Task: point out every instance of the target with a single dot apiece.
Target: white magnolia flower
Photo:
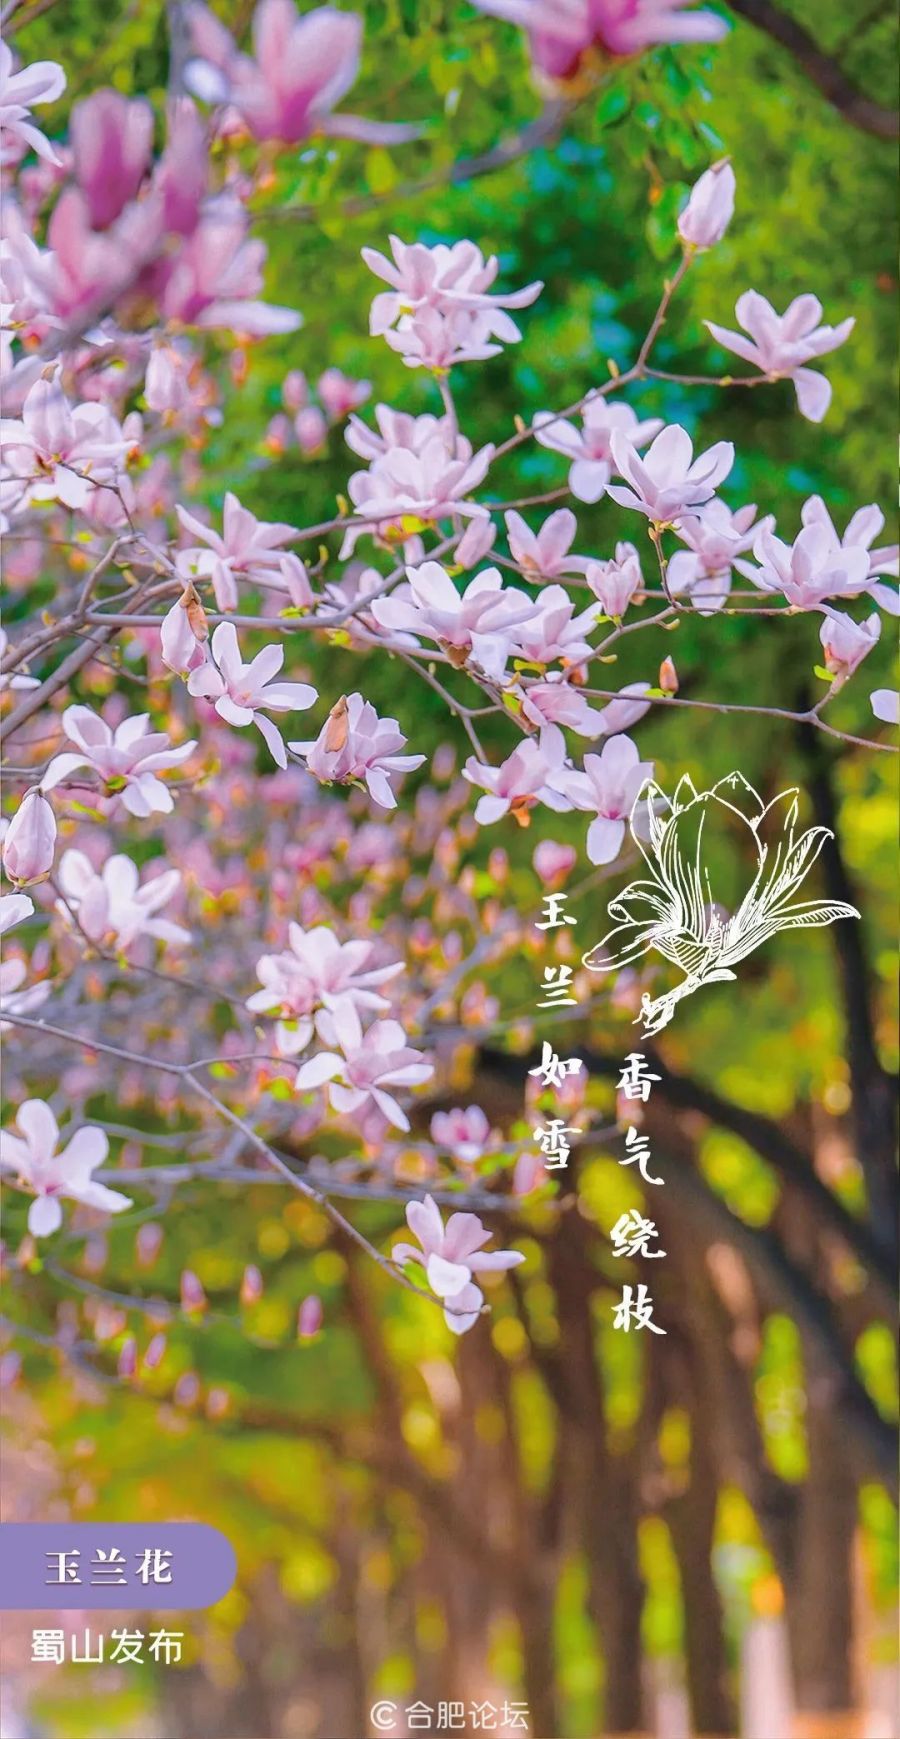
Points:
(48, 1171)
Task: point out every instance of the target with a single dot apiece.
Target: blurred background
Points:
(689, 1535)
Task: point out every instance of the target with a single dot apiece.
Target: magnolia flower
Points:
(316, 971)
(450, 1255)
(846, 643)
(555, 701)
(590, 448)
(553, 862)
(614, 583)
(476, 542)
(544, 554)
(563, 32)
(247, 549)
(407, 490)
(355, 745)
(48, 1173)
(817, 565)
(113, 907)
(13, 970)
(445, 278)
(628, 707)
(436, 341)
(400, 429)
(215, 275)
(533, 773)
(127, 759)
(668, 481)
(715, 538)
(460, 622)
(710, 207)
(861, 532)
(609, 784)
(780, 344)
(302, 67)
(465, 1134)
(340, 395)
(62, 452)
(29, 844)
(886, 705)
(112, 143)
(41, 82)
(554, 630)
(183, 633)
(366, 1065)
(242, 693)
(676, 911)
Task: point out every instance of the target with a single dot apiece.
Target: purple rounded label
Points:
(113, 1566)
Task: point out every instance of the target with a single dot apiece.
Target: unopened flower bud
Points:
(30, 842)
(193, 1296)
(127, 1366)
(294, 391)
(251, 1285)
(182, 633)
(845, 642)
(156, 1350)
(668, 676)
(309, 1317)
(615, 582)
(709, 210)
(311, 429)
(553, 862)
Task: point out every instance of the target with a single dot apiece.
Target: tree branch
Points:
(822, 71)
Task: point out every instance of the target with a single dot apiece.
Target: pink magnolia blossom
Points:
(886, 705)
(862, 529)
(41, 82)
(316, 971)
(246, 549)
(466, 1134)
(555, 701)
(14, 970)
(405, 490)
(819, 564)
(243, 693)
(476, 542)
(445, 279)
(609, 784)
(183, 649)
(217, 275)
(29, 845)
(112, 142)
(62, 452)
(400, 429)
(367, 1065)
(554, 630)
(590, 448)
(127, 759)
(40, 1166)
(113, 907)
(450, 1255)
(436, 341)
(356, 746)
(668, 481)
(553, 862)
(628, 707)
(846, 643)
(301, 67)
(544, 554)
(311, 429)
(340, 395)
(710, 207)
(535, 772)
(715, 538)
(562, 32)
(780, 344)
(463, 623)
(614, 583)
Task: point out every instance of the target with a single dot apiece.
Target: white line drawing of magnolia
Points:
(676, 911)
